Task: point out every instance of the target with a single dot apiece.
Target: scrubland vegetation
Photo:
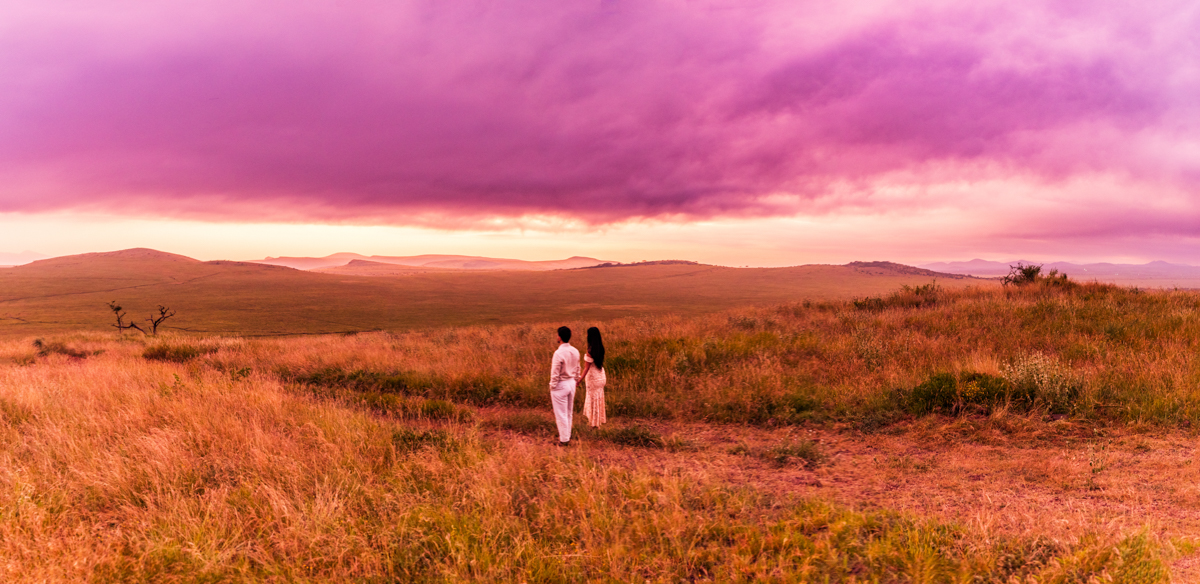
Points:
(426, 455)
(1092, 352)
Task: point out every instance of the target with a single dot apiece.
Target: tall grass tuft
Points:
(177, 353)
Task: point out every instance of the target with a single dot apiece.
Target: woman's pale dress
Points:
(593, 404)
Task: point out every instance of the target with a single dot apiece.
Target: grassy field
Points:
(1030, 434)
(72, 293)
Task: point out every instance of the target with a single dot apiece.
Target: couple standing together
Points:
(565, 374)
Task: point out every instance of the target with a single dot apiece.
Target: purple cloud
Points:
(389, 112)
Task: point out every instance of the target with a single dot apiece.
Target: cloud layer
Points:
(437, 112)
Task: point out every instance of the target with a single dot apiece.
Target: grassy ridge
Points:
(119, 466)
(1093, 352)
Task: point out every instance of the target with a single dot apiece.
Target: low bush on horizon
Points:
(1031, 274)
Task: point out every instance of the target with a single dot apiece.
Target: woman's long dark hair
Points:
(596, 347)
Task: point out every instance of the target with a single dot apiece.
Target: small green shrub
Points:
(524, 422)
(807, 452)
(476, 391)
(1029, 383)
(871, 303)
(1041, 380)
(176, 353)
(46, 348)
(362, 380)
(399, 406)
(636, 405)
(946, 393)
(638, 436)
(390, 404)
(922, 296)
(1029, 274)
(1022, 274)
(407, 439)
(874, 418)
(436, 409)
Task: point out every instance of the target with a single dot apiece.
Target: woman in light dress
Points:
(593, 375)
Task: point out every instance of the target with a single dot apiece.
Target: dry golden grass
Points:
(424, 456)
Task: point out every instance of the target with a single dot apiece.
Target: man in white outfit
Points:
(564, 370)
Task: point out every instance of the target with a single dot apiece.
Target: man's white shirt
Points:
(565, 365)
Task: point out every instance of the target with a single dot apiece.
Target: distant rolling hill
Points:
(71, 293)
(454, 262)
(377, 269)
(1151, 275)
(16, 259)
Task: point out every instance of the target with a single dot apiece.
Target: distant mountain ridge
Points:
(17, 259)
(452, 262)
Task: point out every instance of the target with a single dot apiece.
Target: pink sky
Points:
(764, 132)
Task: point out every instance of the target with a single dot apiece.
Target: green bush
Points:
(636, 405)
(808, 452)
(476, 391)
(1030, 274)
(407, 439)
(46, 348)
(1029, 383)
(946, 393)
(907, 297)
(436, 409)
(412, 408)
(1039, 380)
(176, 353)
(638, 436)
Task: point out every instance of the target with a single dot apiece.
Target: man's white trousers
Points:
(562, 397)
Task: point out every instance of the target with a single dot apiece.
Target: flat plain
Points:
(72, 293)
(868, 427)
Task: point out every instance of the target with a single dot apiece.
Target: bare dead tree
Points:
(121, 324)
(163, 314)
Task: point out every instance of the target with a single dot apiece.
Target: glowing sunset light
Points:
(741, 133)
